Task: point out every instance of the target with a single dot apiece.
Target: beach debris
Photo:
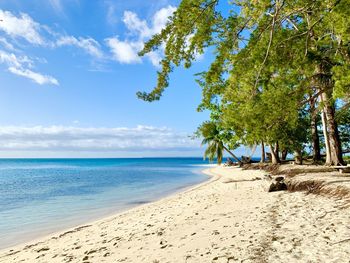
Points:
(74, 230)
(229, 162)
(215, 232)
(42, 249)
(277, 184)
(160, 231)
(246, 159)
(267, 176)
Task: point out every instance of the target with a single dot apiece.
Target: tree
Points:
(212, 137)
(272, 59)
(315, 139)
(343, 120)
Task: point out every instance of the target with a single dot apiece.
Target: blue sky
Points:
(69, 73)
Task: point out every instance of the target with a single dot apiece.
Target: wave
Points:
(39, 167)
(204, 165)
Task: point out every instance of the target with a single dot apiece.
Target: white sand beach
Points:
(231, 218)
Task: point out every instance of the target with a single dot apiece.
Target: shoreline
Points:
(105, 216)
(229, 218)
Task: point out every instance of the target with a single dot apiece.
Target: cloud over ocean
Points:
(66, 138)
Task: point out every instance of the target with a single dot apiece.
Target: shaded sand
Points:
(231, 218)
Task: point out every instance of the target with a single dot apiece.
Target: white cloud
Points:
(12, 60)
(140, 27)
(21, 27)
(34, 76)
(89, 45)
(111, 16)
(155, 58)
(16, 29)
(62, 138)
(7, 45)
(56, 4)
(125, 51)
(135, 25)
(20, 65)
(161, 18)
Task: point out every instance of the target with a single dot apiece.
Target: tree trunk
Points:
(298, 157)
(323, 79)
(284, 155)
(326, 138)
(262, 152)
(231, 153)
(274, 155)
(277, 152)
(314, 133)
(335, 149)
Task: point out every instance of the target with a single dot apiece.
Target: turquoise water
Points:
(41, 196)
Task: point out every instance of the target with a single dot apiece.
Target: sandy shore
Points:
(231, 218)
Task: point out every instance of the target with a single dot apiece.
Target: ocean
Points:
(42, 196)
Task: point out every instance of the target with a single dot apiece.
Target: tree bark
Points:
(336, 157)
(262, 152)
(326, 138)
(277, 152)
(284, 155)
(323, 79)
(274, 154)
(314, 132)
(298, 157)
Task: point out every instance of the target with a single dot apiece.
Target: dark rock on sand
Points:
(278, 184)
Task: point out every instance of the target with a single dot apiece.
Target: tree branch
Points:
(277, 7)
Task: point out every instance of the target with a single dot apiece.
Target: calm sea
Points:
(41, 196)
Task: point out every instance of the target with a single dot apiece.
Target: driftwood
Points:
(342, 169)
(229, 162)
(324, 155)
(245, 159)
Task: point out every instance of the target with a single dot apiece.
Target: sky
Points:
(69, 73)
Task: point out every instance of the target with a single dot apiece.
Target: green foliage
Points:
(211, 137)
(270, 57)
(343, 120)
(186, 35)
(215, 138)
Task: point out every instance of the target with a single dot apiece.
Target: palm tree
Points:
(216, 147)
